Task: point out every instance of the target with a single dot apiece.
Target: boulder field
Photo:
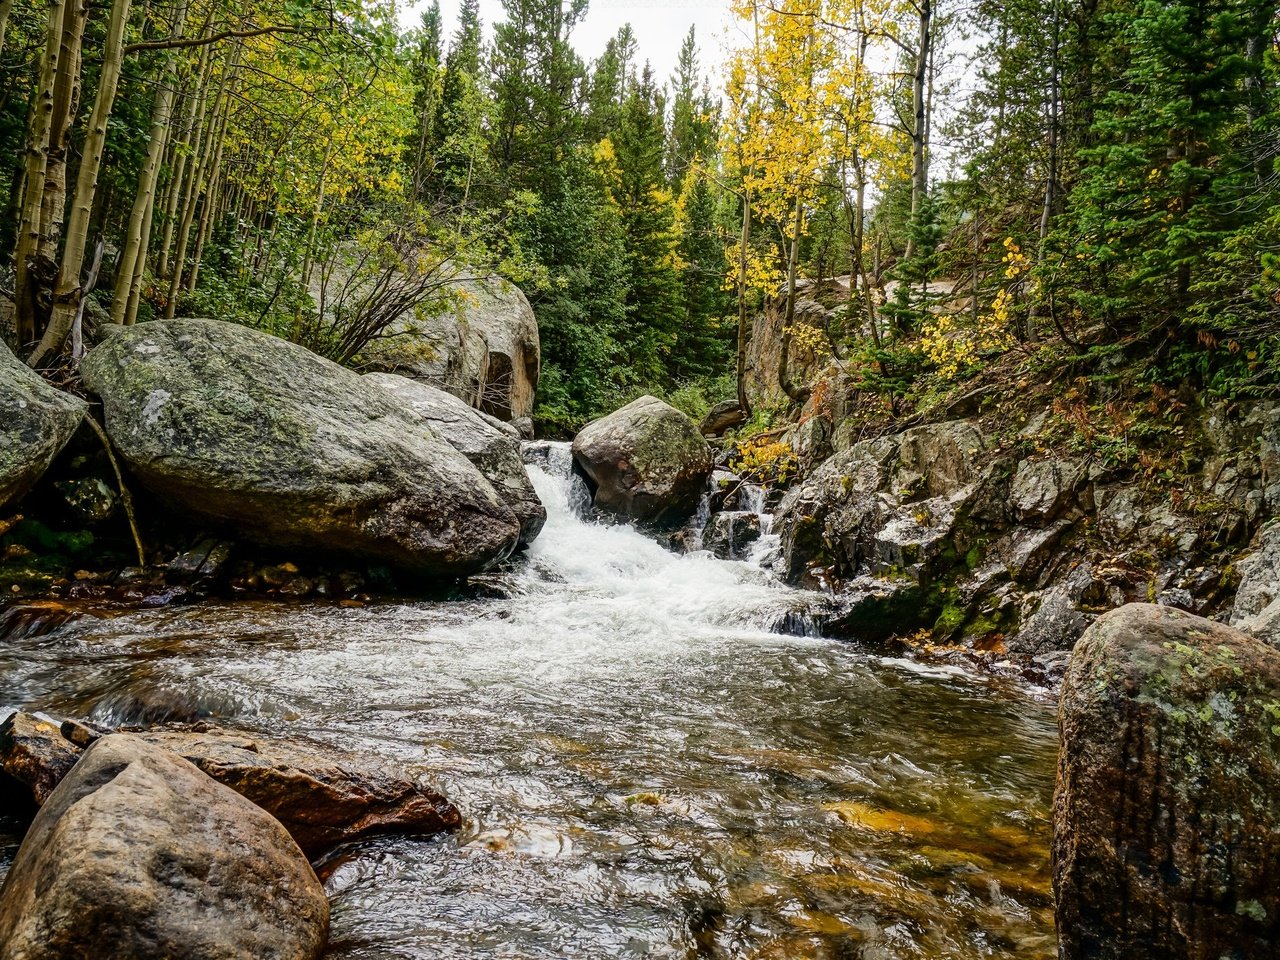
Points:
(1167, 812)
(281, 447)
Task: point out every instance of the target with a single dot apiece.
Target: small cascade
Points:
(555, 458)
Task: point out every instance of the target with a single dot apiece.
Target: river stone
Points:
(1167, 812)
(138, 854)
(483, 440)
(321, 798)
(722, 417)
(647, 461)
(36, 421)
(292, 450)
(34, 755)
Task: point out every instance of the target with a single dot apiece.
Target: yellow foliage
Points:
(764, 461)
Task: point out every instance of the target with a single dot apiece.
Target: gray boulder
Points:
(1167, 812)
(484, 348)
(290, 449)
(493, 446)
(36, 421)
(138, 854)
(1257, 604)
(647, 461)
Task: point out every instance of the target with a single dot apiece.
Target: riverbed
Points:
(645, 767)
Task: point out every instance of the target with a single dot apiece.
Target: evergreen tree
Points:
(694, 115)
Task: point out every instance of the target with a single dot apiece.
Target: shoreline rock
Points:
(1167, 811)
(138, 854)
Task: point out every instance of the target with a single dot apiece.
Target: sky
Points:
(660, 27)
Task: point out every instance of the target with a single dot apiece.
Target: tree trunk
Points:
(133, 258)
(744, 240)
(797, 394)
(66, 100)
(37, 163)
(919, 131)
(67, 293)
(6, 7)
(196, 186)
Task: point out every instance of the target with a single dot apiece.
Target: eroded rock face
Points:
(36, 421)
(320, 796)
(289, 449)
(138, 854)
(1257, 604)
(1167, 812)
(485, 351)
(493, 446)
(647, 461)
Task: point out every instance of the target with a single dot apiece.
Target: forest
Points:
(1108, 197)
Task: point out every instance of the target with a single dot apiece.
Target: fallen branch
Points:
(125, 497)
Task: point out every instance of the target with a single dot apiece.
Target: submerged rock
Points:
(321, 797)
(290, 449)
(138, 854)
(1167, 812)
(647, 461)
(493, 446)
(36, 421)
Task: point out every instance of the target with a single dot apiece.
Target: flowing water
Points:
(645, 768)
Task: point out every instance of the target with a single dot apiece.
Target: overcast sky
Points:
(660, 27)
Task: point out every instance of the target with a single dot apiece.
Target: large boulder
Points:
(1167, 812)
(486, 442)
(322, 797)
(647, 461)
(36, 421)
(138, 854)
(483, 349)
(290, 449)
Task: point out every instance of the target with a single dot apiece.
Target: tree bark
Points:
(133, 258)
(67, 293)
(37, 163)
(797, 394)
(919, 131)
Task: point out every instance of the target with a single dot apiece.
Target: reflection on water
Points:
(645, 770)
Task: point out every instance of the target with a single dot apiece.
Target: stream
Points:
(645, 768)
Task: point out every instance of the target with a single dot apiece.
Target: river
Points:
(645, 768)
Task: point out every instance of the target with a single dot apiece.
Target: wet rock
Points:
(722, 417)
(207, 560)
(647, 460)
(34, 754)
(523, 427)
(1167, 812)
(322, 798)
(243, 428)
(730, 534)
(494, 451)
(939, 459)
(1026, 552)
(138, 854)
(36, 421)
(88, 499)
(1257, 604)
(485, 350)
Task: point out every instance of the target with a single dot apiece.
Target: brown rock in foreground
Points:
(321, 798)
(139, 855)
(34, 754)
(1167, 812)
